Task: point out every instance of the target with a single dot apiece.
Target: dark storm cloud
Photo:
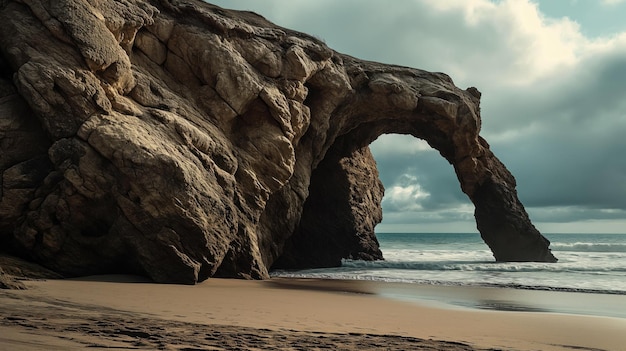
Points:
(572, 151)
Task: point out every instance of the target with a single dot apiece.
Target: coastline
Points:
(129, 312)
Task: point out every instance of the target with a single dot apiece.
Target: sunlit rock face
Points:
(179, 140)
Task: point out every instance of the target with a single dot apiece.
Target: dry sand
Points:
(120, 312)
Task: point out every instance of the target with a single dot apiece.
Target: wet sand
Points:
(121, 312)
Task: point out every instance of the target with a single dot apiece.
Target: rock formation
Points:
(180, 140)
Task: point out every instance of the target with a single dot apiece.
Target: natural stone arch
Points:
(399, 100)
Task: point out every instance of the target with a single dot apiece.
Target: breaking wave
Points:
(473, 266)
(589, 247)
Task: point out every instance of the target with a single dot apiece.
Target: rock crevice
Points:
(181, 141)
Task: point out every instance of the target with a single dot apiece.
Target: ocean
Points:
(588, 263)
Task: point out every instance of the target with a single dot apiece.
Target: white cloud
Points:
(389, 145)
(613, 2)
(405, 196)
(514, 44)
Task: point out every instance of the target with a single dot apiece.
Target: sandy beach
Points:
(123, 312)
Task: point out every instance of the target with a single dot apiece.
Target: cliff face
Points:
(182, 141)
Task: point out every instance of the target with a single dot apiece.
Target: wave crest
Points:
(588, 247)
(475, 266)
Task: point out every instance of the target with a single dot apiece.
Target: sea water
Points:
(589, 263)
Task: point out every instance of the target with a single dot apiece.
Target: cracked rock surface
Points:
(179, 140)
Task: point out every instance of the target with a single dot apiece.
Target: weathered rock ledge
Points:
(181, 141)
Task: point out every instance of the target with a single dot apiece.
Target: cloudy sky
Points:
(553, 78)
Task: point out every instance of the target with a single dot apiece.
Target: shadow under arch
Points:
(345, 193)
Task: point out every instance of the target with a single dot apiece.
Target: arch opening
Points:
(422, 194)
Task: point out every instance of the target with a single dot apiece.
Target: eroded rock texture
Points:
(179, 140)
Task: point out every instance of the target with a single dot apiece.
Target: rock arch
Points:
(427, 106)
(188, 141)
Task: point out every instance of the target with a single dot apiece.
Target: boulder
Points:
(180, 141)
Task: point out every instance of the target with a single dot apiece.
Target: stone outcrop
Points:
(179, 140)
(13, 270)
